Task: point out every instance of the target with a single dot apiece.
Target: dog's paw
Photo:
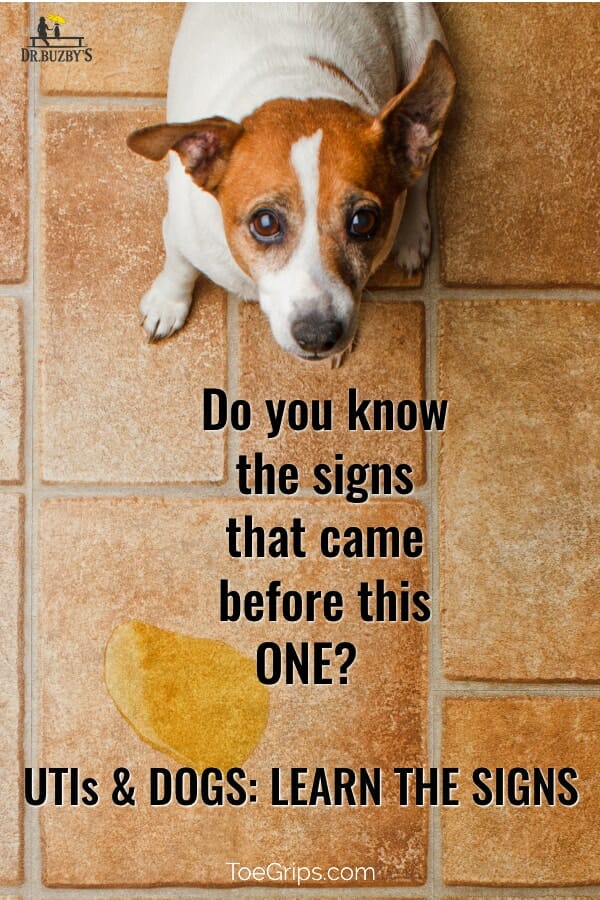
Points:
(413, 243)
(163, 312)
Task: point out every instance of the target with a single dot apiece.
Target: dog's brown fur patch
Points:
(353, 163)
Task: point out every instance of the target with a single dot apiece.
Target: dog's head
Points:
(311, 193)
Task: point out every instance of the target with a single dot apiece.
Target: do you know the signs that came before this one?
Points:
(321, 662)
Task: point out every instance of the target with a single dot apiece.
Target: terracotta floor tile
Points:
(517, 189)
(387, 362)
(14, 180)
(522, 845)
(11, 391)
(104, 562)
(518, 522)
(114, 408)
(131, 46)
(389, 275)
(11, 688)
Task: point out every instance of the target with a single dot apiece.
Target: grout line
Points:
(499, 294)
(34, 860)
(517, 688)
(403, 294)
(435, 662)
(16, 291)
(420, 494)
(98, 101)
(229, 489)
(29, 312)
(506, 292)
(426, 295)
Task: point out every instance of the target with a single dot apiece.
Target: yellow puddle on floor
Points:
(196, 699)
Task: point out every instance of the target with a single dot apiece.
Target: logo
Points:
(50, 44)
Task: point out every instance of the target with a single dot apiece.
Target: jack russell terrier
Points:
(303, 134)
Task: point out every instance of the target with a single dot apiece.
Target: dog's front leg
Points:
(413, 242)
(165, 307)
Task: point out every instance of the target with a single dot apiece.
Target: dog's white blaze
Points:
(305, 160)
(304, 284)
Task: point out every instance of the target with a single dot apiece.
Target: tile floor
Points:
(113, 497)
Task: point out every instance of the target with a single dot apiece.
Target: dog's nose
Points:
(315, 334)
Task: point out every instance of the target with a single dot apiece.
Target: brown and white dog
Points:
(302, 132)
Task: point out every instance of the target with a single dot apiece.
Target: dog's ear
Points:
(412, 122)
(203, 146)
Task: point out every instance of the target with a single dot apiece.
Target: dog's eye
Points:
(265, 226)
(363, 223)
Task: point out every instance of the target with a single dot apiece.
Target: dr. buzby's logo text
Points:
(52, 44)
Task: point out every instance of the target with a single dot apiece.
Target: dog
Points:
(302, 137)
